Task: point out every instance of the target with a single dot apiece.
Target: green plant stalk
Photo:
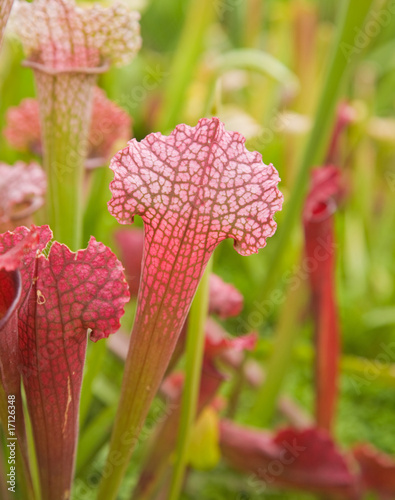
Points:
(64, 210)
(93, 438)
(96, 220)
(193, 369)
(286, 334)
(24, 478)
(198, 17)
(351, 19)
(65, 100)
(93, 364)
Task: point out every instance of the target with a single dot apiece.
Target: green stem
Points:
(199, 15)
(93, 365)
(96, 221)
(94, 437)
(63, 197)
(266, 398)
(65, 100)
(194, 359)
(352, 18)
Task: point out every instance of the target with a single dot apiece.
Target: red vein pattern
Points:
(5, 9)
(224, 299)
(192, 189)
(109, 124)
(63, 297)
